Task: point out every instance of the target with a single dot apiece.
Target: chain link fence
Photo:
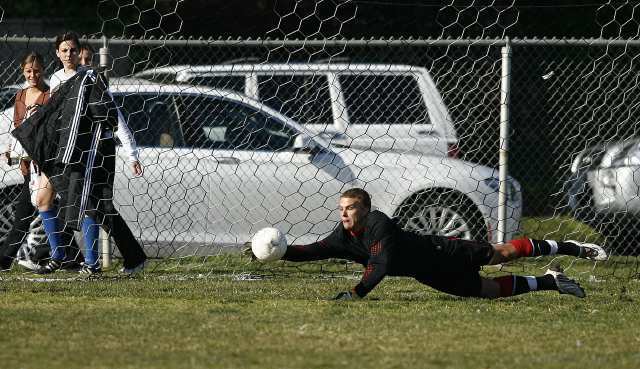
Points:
(572, 110)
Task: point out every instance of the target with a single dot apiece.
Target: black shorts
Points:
(70, 184)
(455, 266)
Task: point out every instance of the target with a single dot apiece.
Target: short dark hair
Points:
(358, 194)
(68, 36)
(30, 58)
(87, 47)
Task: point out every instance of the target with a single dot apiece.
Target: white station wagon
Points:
(364, 106)
(220, 165)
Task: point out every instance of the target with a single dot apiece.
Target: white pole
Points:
(104, 237)
(505, 90)
(104, 53)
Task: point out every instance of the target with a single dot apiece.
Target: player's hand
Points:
(136, 168)
(345, 296)
(7, 157)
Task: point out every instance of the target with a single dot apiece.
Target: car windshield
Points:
(203, 122)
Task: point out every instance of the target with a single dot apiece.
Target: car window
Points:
(152, 119)
(217, 123)
(305, 99)
(389, 99)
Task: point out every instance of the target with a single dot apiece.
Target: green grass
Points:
(193, 313)
(559, 228)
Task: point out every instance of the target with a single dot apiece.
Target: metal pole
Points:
(104, 54)
(505, 90)
(104, 236)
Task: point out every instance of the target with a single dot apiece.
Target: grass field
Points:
(195, 314)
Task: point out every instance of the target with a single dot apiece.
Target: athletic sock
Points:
(531, 247)
(90, 232)
(511, 285)
(569, 248)
(54, 232)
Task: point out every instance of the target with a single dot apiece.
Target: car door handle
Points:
(227, 160)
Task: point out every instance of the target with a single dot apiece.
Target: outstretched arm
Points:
(316, 251)
(327, 248)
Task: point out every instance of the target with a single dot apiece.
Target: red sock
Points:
(506, 285)
(523, 246)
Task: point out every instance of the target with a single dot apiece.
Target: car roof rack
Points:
(248, 59)
(333, 59)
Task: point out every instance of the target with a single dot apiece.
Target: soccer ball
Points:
(269, 244)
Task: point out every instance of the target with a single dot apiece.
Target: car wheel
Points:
(36, 239)
(445, 214)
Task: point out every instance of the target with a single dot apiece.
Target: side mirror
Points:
(304, 144)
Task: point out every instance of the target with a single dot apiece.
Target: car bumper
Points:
(616, 189)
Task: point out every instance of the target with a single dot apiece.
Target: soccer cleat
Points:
(590, 251)
(51, 267)
(565, 285)
(135, 270)
(89, 270)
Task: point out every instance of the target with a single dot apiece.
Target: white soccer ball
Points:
(269, 244)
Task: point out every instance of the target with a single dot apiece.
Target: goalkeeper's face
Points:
(352, 213)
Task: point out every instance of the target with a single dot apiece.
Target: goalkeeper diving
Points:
(452, 266)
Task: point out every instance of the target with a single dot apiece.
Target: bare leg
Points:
(45, 194)
(50, 223)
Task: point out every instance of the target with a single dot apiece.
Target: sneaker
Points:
(88, 270)
(565, 285)
(135, 270)
(71, 266)
(590, 251)
(51, 267)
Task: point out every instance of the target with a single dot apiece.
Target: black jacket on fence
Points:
(63, 138)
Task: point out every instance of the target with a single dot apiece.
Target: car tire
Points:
(447, 214)
(37, 238)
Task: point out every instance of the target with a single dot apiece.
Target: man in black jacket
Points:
(372, 239)
(64, 138)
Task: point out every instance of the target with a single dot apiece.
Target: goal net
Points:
(235, 134)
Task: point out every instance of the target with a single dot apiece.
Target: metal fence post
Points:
(104, 236)
(504, 139)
